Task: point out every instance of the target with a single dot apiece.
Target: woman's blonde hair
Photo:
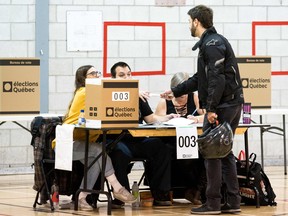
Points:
(178, 78)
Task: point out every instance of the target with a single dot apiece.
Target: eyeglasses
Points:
(94, 73)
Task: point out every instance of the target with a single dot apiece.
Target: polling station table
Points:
(272, 129)
(144, 131)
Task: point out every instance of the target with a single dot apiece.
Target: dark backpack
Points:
(258, 182)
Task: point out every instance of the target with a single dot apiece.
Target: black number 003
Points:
(186, 141)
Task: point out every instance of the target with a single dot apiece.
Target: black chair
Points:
(144, 178)
(43, 132)
(67, 181)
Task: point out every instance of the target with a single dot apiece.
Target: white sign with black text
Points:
(187, 147)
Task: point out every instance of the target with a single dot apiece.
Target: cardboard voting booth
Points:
(111, 103)
(255, 74)
(20, 86)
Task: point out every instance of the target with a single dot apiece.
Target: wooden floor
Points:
(17, 197)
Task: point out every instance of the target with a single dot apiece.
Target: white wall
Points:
(231, 17)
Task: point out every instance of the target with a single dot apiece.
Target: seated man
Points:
(152, 149)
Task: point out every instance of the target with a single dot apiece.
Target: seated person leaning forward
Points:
(187, 174)
(71, 117)
(152, 149)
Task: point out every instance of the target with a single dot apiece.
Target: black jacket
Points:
(217, 79)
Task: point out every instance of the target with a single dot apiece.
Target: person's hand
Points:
(196, 119)
(167, 95)
(211, 117)
(144, 95)
(173, 115)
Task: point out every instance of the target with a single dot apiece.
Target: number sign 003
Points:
(187, 146)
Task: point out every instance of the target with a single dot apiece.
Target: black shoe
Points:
(162, 203)
(227, 208)
(204, 210)
(117, 204)
(161, 198)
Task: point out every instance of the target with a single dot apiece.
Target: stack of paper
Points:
(179, 121)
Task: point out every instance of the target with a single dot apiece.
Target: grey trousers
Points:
(94, 150)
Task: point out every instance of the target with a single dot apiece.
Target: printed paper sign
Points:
(187, 147)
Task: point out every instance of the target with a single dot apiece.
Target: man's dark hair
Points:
(118, 64)
(203, 14)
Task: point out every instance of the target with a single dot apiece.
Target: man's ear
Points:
(196, 21)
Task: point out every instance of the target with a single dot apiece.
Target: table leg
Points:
(246, 154)
(104, 159)
(284, 143)
(20, 125)
(247, 168)
(283, 130)
(86, 168)
(86, 158)
(17, 123)
(261, 143)
(104, 156)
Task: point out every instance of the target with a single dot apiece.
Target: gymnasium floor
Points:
(17, 197)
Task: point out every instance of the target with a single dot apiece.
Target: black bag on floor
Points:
(258, 182)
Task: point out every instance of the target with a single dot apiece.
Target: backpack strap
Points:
(271, 195)
(241, 155)
(252, 158)
(252, 164)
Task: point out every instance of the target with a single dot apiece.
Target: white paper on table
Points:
(187, 147)
(64, 147)
(181, 121)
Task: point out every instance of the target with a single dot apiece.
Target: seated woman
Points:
(186, 106)
(78, 103)
(189, 173)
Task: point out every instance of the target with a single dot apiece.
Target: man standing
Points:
(220, 93)
(152, 149)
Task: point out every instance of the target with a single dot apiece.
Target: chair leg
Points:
(46, 185)
(44, 190)
(144, 176)
(109, 189)
(37, 196)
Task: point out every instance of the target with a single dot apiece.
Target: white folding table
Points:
(272, 129)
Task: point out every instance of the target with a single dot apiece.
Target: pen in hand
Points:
(192, 117)
(194, 112)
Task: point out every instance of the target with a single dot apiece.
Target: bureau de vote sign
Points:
(19, 86)
(255, 74)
